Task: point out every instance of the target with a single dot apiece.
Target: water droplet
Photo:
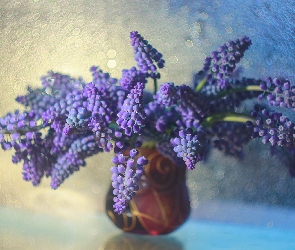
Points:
(194, 204)
(50, 81)
(57, 93)
(268, 61)
(111, 64)
(262, 70)
(78, 85)
(189, 43)
(229, 30)
(270, 224)
(220, 175)
(173, 59)
(48, 90)
(36, 16)
(204, 15)
(93, 231)
(111, 53)
(245, 64)
(96, 189)
(207, 42)
(76, 32)
(216, 4)
(101, 55)
(251, 32)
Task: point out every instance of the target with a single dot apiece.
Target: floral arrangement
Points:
(67, 120)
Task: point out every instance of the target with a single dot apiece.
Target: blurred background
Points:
(70, 36)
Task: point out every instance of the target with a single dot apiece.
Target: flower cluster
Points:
(222, 61)
(145, 55)
(279, 93)
(168, 94)
(273, 128)
(231, 138)
(193, 108)
(55, 87)
(125, 175)
(131, 77)
(190, 146)
(68, 120)
(71, 160)
(131, 116)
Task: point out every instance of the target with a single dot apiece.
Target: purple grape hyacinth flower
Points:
(190, 146)
(125, 175)
(279, 93)
(222, 62)
(70, 161)
(273, 128)
(131, 77)
(145, 55)
(193, 107)
(168, 94)
(131, 118)
(55, 87)
(231, 138)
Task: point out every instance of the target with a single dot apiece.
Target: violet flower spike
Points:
(125, 175)
(131, 118)
(145, 55)
(190, 146)
(168, 94)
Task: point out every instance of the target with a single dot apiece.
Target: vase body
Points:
(162, 203)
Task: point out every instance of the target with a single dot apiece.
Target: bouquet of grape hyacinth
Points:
(67, 120)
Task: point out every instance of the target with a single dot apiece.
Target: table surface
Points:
(21, 229)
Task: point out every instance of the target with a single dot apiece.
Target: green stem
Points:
(240, 89)
(113, 125)
(155, 86)
(201, 84)
(133, 141)
(149, 144)
(226, 117)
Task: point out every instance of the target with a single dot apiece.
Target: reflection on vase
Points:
(162, 203)
(134, 242)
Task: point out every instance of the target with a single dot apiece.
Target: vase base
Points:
(162, 203)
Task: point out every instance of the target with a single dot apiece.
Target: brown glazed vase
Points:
(162, 203)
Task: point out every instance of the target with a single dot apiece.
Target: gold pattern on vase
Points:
(162, 203)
